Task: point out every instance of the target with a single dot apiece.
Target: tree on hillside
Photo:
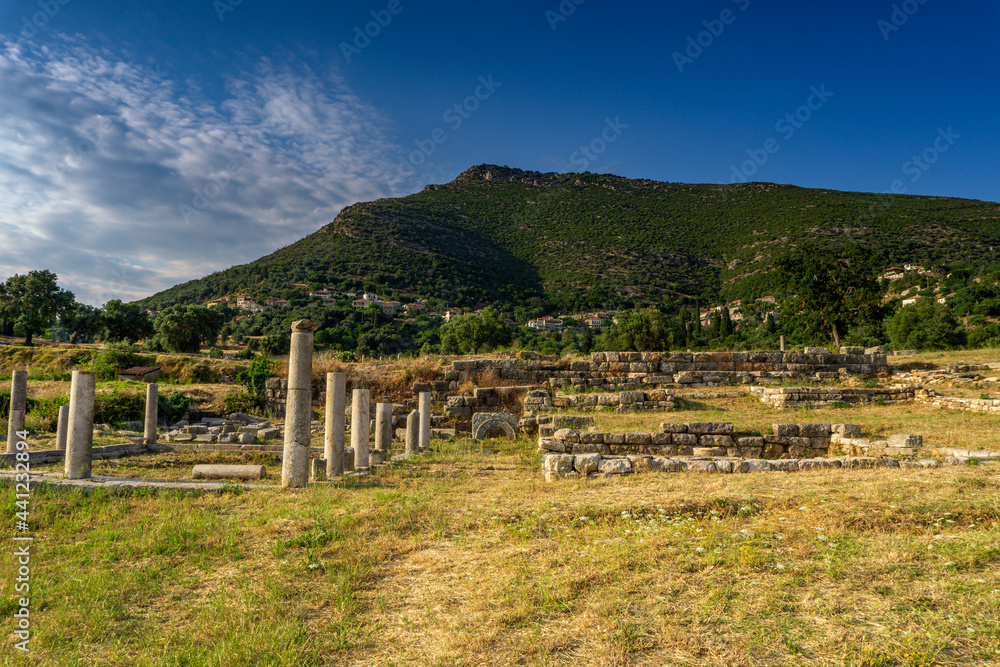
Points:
(124, 322)
(475, 333)
(926, 325)
(30, 304)
(830, 290)
(80, 322)
(187, 328)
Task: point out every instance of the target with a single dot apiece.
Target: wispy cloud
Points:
(124, 181)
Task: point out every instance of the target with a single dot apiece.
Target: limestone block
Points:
(753, 465)
(245, 472)
(638, 438)
(640, 462)
(567, 435)
(815, 430)
(722, 441)
(660, 438)
(710, 451)
(912, 441)
(702, 467)
(787, 430)
(711, 428)
(673, 428)
(620, 466)
(685, 439)
(586, 463)
(557, 466)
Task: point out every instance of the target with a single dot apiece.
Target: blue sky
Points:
(143, 144)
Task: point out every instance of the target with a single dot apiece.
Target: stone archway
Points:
(485, 424)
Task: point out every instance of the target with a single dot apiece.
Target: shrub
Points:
(215, 353)
(241, 401)
(117, 357)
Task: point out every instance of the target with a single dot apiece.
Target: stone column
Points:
(360, 427)
(333, 439)
(152, 412)
(62, 428)
(298, 408)
(413, 433)
(80, 437)
(782, 343)
(383, 429)
(425, 420)
(18, 408)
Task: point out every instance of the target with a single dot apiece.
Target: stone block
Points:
(711, 428)
(750, 441)
(852, 349)
(638, 438)
(773, 450)
(640, 462)
(816, 350)
(240, 472)
(549, 445)
(570, 421)
(815, 430)
(715, 441)
(567, 435)
(785, 429)
(660, 438)
(590, 448)
(706, 467)
(557, 466)
(910, 441)
(615, 466)
(586, 463)
(673, 428)
(709, 451)
(686, 439)
(592, 437)
(614, 439)
(753, 465)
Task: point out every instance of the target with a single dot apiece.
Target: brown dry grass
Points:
(459, 557)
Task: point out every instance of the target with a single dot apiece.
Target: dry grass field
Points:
(461, 557)
(466, 557)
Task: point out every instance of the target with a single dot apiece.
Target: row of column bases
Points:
(298, 418)
(75, 430)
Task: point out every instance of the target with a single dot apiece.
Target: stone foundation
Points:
(570, 466)
(654, 400)
(819, 397)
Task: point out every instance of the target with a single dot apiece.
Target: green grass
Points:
(462, 557)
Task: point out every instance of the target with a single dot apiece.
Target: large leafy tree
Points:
(186, 328)
(124, 322)
(30, 304)
(828, 290)
(475, 333)
(80, 322)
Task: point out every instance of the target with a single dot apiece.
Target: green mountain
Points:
(586, 241)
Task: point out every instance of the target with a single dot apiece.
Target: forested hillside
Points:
(573, 242)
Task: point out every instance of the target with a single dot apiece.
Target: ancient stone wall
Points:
(701, 439)
(819, 397)
(654, 400)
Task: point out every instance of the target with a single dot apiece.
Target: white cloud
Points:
(99, 156)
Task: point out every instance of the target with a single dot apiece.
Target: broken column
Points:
(61, 429)
(782, 343)
(152, 405)
(80, 437)
(298, 407)
(383, 429)
(360, 427)
(333, 440)
(18, 409)
(413, 433)
(425, 420)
